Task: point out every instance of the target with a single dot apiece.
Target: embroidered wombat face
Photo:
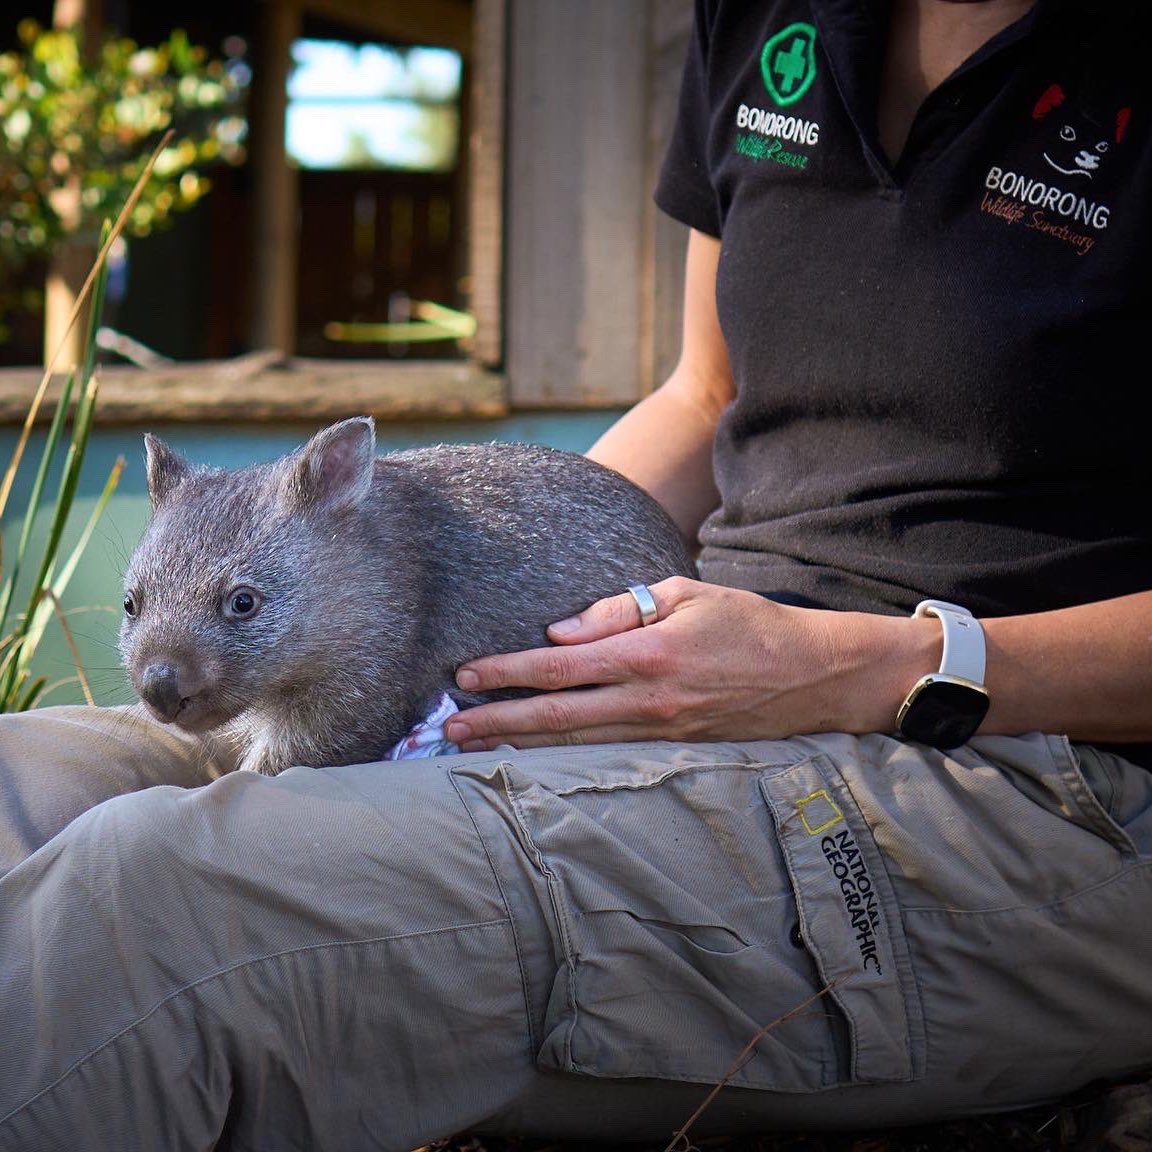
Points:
(1078, 143)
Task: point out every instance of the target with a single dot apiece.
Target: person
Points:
(857, 826)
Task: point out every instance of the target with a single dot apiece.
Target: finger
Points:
(491, 724)
(527, 740)
(538, 721)
(547, 669)
(605, 734)
(607, 617)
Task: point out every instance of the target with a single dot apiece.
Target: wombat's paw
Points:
(273, 749)
(263, 767)
(265, 758)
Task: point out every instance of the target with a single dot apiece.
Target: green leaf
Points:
(30, 697)
(51, 442)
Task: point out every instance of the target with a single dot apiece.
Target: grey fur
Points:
(377, 577)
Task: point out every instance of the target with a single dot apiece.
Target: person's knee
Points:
(127, 852)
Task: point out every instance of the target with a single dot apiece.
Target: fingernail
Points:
(457, 732)
(564, 627)
(467, 679)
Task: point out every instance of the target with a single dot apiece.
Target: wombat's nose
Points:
(160, 690)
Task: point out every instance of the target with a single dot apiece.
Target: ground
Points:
(1118, 1119)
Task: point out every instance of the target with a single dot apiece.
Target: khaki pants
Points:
(574, 943)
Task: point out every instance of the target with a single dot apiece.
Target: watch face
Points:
(942, 712)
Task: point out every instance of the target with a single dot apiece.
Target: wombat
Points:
(316, 607)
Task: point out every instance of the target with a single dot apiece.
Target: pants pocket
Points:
(689, 921)
(849, 917)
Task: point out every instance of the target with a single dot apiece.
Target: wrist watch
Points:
(945, 708)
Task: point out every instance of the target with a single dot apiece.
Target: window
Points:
(368, 106)
(533, 133)
(374, 132)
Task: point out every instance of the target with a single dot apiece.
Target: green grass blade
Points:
(43, 611)
(39, 609)
(50, 605)
(96, 309)
(98, 268)
(18, 645)
(31, 695)
(69, 482)
(61, 581)
(51, 443)
(11, 677)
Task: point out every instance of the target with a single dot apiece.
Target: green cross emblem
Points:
(788, 63)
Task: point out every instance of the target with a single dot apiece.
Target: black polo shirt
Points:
(942, 364)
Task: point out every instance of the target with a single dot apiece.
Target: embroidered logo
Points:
(1067, 201)
(818, 812)
(788, 69)
(788, 63)
(1081, 146)
(858, 894)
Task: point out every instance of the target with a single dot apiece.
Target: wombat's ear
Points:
(335, 467)
(165, 468)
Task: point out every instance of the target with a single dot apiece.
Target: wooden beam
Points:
(576, 193)
(486, 182)
(259, 388)
(88, 15)
(445, 23)
(71, 259)
(276, 193)
(665, 239)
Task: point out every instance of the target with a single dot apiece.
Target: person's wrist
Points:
(883, 657)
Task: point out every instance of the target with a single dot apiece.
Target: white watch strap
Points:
(963, 640)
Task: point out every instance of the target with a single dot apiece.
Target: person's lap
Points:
(57, 762)
(575, 942)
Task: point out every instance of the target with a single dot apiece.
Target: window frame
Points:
(576, 278)
(270, 385)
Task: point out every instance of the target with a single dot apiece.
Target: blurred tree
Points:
(79, 116)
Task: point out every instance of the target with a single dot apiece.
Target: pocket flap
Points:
(849, 917)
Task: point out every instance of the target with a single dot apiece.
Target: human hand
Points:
(719, 663)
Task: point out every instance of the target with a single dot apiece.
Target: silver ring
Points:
(644, 601)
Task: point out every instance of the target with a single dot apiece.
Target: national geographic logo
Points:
(858, 894)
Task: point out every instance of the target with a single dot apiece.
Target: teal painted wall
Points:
(93, 598)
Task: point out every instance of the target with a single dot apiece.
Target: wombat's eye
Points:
(130, 606)
(242, 603)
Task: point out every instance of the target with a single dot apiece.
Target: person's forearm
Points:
(664, 444)
(1085, 672)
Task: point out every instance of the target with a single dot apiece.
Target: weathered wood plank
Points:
(666, 240)
(275, 184)
(577, 126)
(262, 388)
(486, 181)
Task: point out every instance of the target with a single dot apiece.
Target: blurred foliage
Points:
(75, 135)
(65, 445)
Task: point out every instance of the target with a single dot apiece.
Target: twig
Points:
(679, 1141)
(48, 594)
